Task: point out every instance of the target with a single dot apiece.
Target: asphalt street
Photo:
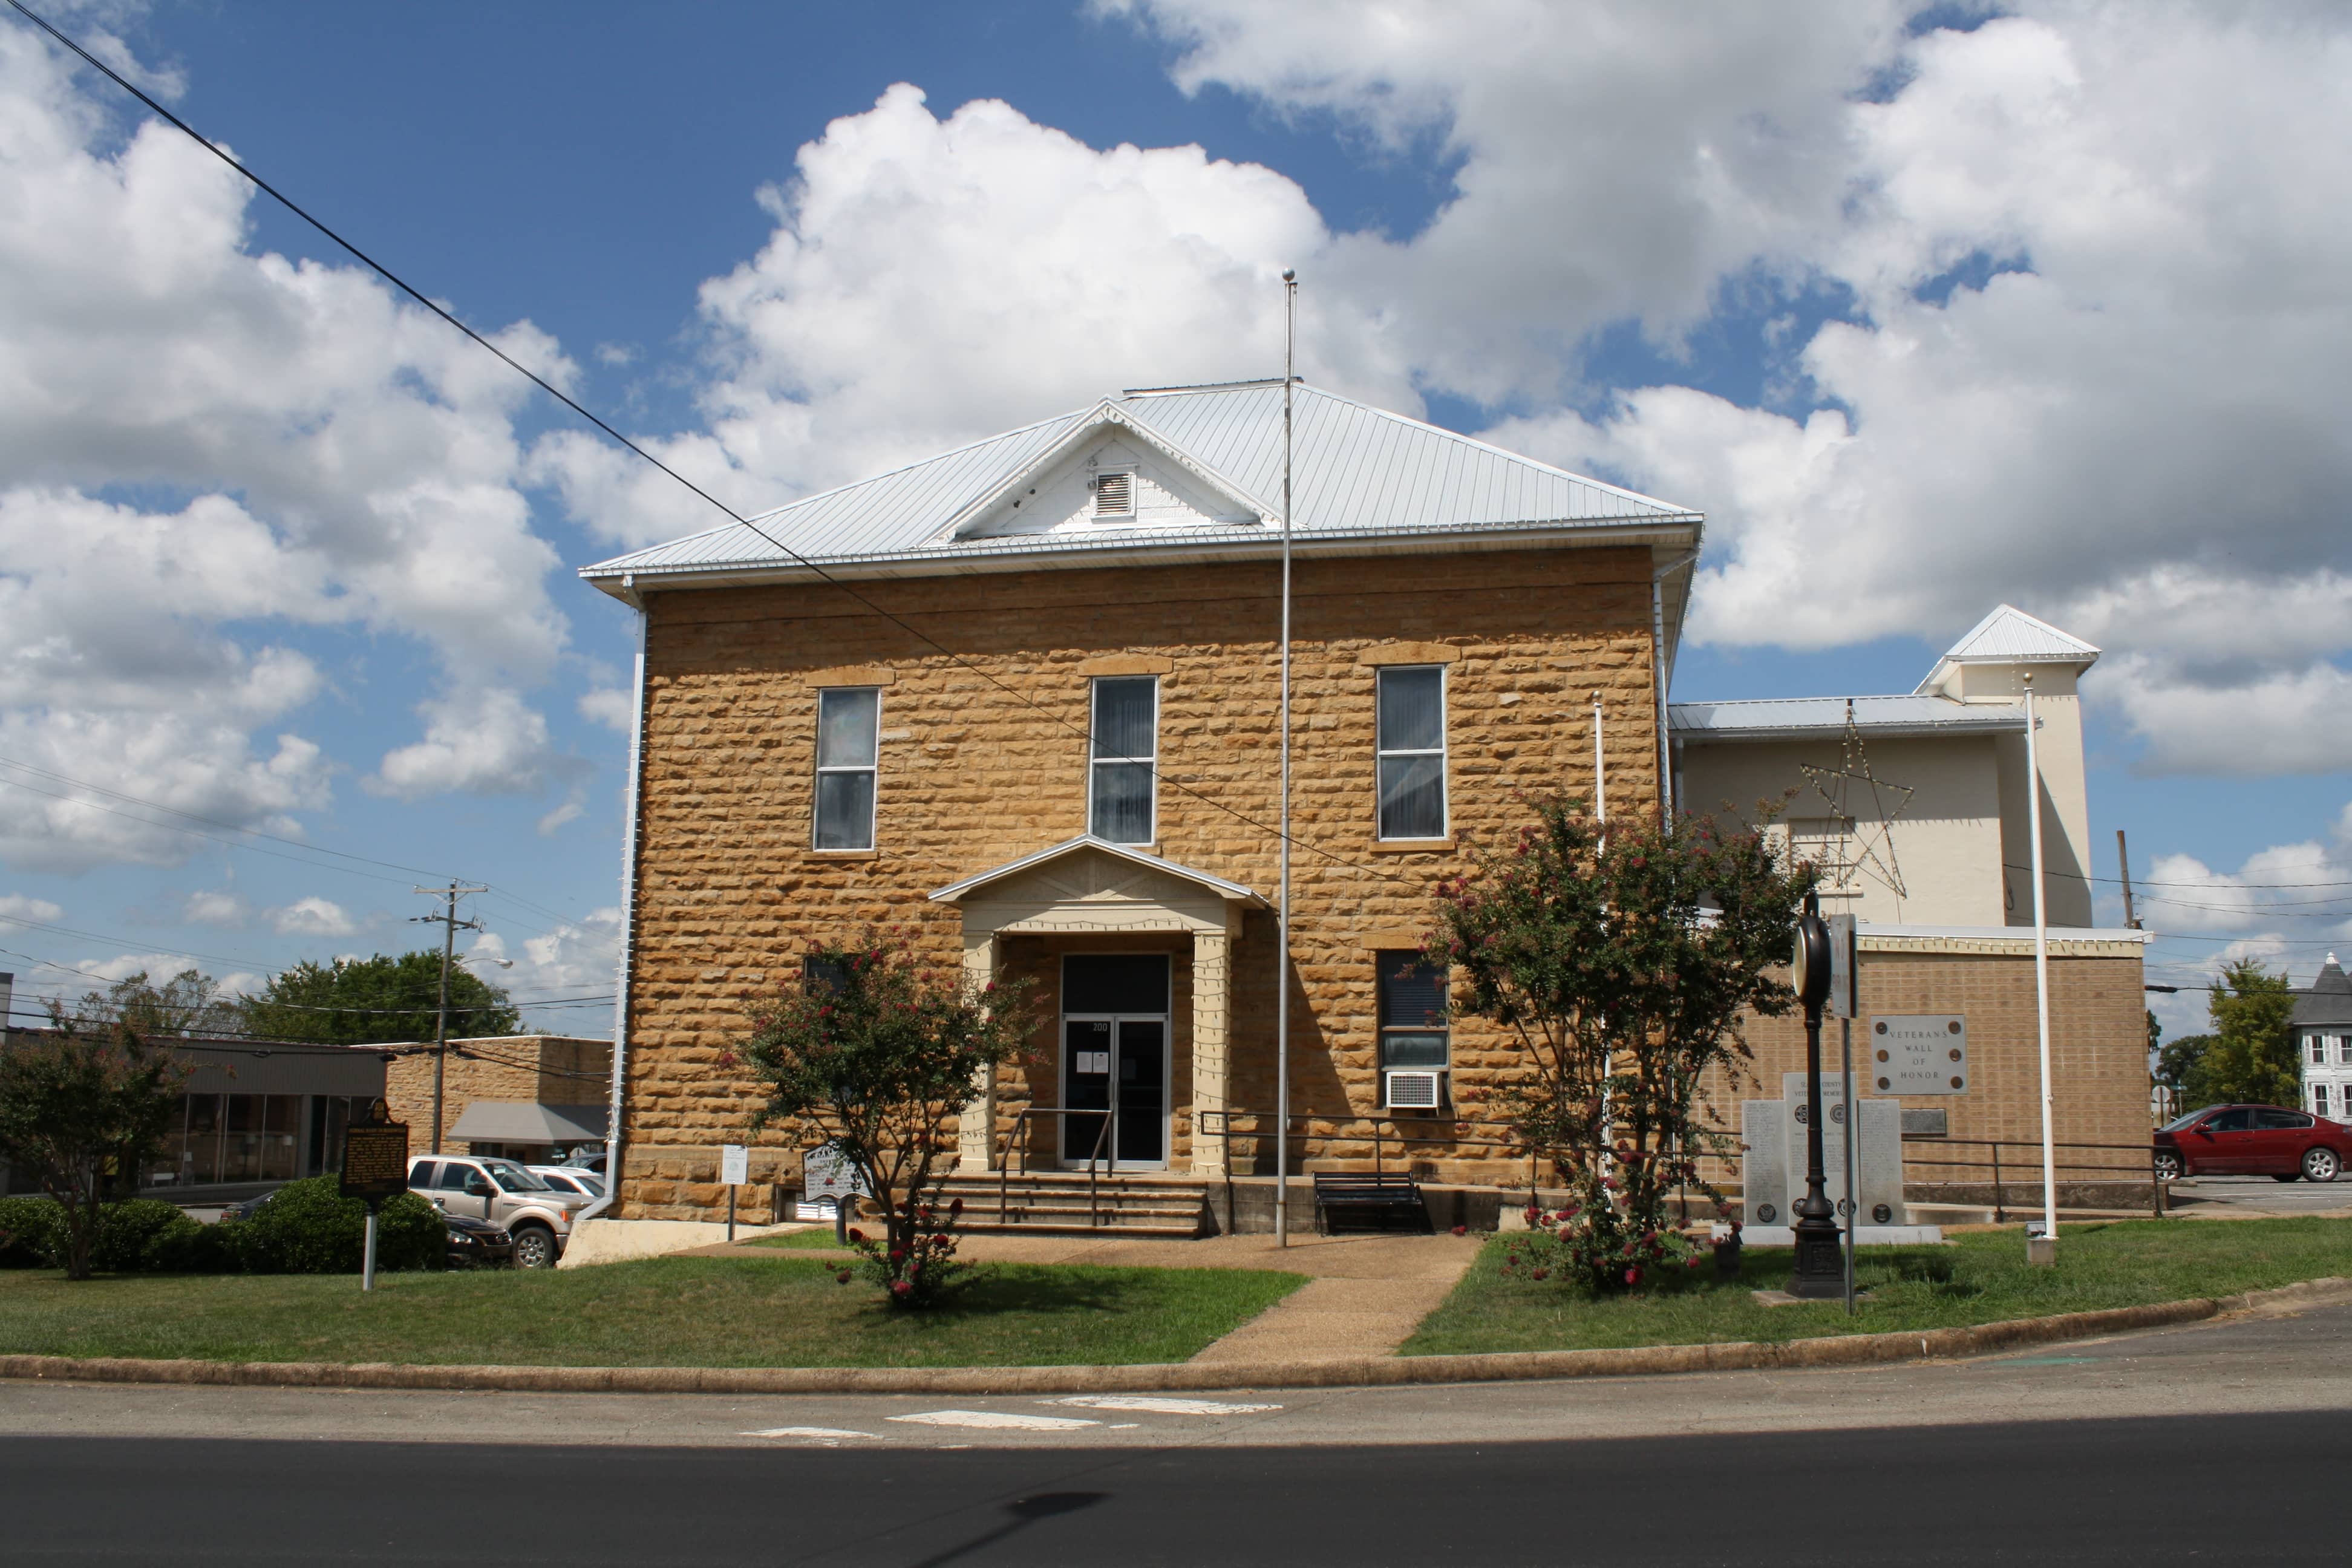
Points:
(2191, 1445)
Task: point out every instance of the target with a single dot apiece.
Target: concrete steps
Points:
(1056, 1202)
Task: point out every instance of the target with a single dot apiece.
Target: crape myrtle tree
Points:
(1623, 957)
(878, 1051)
(82, 1106)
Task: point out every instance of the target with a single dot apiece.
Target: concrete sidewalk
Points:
(1364, 1297)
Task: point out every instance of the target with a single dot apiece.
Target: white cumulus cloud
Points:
(312, 916)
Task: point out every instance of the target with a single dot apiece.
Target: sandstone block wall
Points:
(729, 893)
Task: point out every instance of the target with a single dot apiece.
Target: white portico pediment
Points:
(1090, 884)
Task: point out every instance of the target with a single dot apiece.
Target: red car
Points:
(2252, 1140)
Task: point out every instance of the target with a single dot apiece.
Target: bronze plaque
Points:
(376, 1160)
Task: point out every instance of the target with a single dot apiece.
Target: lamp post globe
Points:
(1820, 1272)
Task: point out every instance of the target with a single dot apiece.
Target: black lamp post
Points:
(1821, 1259)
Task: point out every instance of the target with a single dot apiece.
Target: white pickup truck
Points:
(505, 1194)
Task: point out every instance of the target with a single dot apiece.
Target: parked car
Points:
(503, 1194)
(2252, 1140)
(567, 1179)
(249, 1207)
(476, 1244)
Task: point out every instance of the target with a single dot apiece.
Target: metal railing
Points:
(1107, 1139)
(1992, 1163)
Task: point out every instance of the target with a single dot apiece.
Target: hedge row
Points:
(306, 1228)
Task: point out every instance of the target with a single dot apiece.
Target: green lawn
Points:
(1981, 1277)
(662, 1311)
(819, 1238)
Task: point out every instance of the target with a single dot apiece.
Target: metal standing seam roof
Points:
(1792, 717)
(1356, 471)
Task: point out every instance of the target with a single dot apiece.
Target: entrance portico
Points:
(1089, 888)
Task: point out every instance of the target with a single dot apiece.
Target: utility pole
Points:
(450, 926)
(2122, 855)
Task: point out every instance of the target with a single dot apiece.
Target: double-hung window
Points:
(1410, 740)
(2318, 1051)
(1413, 1033)
(1124, 752)
(848, 726)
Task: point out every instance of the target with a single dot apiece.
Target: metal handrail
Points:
(1107, 1137)
(2000, 1191)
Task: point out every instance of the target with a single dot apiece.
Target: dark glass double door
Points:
(1115, 1053)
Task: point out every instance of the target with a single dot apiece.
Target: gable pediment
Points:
(1090, 884)
(1055, 493)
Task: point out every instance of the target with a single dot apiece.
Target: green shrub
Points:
(307, 1229)
(32, 1233)
(124, 1230)
(186, 1247)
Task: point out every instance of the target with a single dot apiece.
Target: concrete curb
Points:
(1846, 1350)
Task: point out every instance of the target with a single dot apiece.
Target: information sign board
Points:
(1918, 1054)
(825, 1173)
(734, 1165)
(376, 1161)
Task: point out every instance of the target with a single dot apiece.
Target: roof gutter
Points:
(613, 1122)
(1670, 532)
(1661, 672)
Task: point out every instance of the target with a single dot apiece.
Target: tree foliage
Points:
(364, 1001)
(187, 1004)
(1623, 958)
(2251, 1058)
(2181, 1064)
(81, 1108)
(879, 1053)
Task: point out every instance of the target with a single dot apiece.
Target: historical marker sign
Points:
(375, 1159)
(734, 1165)
(1919, 1054)
(826, 1173)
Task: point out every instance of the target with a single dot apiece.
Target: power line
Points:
(2085, 877)
(195, 816)
(575, 406)
(193, 832)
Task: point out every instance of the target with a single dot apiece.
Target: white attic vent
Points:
(1115, 494)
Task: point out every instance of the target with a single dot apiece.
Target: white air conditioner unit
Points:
(1414, 1090)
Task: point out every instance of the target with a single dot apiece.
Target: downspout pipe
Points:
(628, 925)
(1659, 675)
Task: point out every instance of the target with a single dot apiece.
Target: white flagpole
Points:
(1282, 913)
(2040, 960)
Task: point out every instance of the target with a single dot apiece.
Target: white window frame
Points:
(1151, 763)
(1442, 753)
(2344, 1050)
(2318, 1050)
(2321, 1101)
(873, 796)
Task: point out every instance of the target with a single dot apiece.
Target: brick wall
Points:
(550, 1069)
(729, 893)
(2098, 1057)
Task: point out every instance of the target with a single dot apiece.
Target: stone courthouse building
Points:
(1020, 701)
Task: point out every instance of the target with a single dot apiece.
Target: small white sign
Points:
(1094, 1062)
(826, 1174)
(1917, 1053)
(734, 1165)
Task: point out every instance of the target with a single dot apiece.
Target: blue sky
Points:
(1925, 310)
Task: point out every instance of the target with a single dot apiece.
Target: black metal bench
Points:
(1385, 1202)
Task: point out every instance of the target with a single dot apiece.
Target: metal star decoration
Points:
(1861, 845)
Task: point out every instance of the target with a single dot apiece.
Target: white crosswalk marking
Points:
(832, 1434)
(1157, 1404)
(996, 1420)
